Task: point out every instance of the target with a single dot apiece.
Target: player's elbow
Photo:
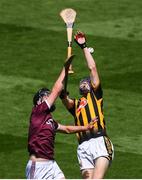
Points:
(97, 84)
(92, 67)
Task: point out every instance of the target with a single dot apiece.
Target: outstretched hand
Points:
(80, 39)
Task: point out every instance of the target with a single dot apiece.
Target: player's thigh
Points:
(84, 156)
(43, 170)
(29, 170)
(58, 174)
(101, 166)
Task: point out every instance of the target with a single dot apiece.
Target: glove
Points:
(80, 39)
(63, 94)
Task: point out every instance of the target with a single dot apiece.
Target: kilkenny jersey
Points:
(86, 109)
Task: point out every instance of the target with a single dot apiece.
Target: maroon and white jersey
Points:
(42, 130)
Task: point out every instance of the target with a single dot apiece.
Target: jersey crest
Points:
(51, 123)
(82, 104)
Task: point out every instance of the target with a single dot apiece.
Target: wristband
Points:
(83, 45)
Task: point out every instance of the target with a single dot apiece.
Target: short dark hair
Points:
(86, 79)
(40, 93)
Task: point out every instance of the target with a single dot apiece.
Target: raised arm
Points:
(80, 39)
(68, 102)
(58, 86)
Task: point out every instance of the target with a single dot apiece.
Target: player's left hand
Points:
(80, 39)
(91, 124)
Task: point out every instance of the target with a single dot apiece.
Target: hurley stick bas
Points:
(68, 15)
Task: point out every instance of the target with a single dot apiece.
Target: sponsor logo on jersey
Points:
(82, 104)
(50, 122)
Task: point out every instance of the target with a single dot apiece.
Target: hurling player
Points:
(95, 150)
(42, 131)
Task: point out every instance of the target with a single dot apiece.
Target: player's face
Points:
(39, 101)
(42, 99)
(84, 88)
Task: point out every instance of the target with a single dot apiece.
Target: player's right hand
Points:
(63, 94)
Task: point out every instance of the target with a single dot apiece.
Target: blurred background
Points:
(33, 48)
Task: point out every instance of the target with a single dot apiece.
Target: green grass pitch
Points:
(32, 51)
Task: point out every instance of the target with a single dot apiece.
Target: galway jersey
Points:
(86, 109)
(42, 130)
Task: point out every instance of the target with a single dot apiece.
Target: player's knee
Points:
(86, 174)
(101, 166)
(98, 176)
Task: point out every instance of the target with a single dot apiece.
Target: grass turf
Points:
(33, 42)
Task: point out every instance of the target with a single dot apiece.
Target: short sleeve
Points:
(98, 92)
(43, 107)
(56, 125)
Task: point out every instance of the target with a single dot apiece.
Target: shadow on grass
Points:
(126, 80)
(10, 143)
(4, 28)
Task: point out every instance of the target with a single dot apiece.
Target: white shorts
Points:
(43, 170)
(90, 150)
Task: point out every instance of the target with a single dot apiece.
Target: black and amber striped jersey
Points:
(86, 109)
